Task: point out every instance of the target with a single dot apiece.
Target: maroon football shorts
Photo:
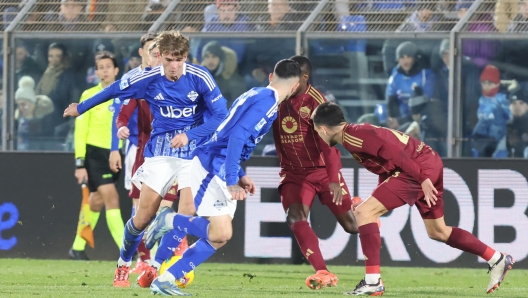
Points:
(301, 187)
(399, 188)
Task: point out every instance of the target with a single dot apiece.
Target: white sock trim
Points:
(372, 279)
(167, 276)
(169, 219)
(155, 264)
(122, 262)
(496, 256)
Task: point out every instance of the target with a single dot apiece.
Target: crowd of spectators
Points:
(417, 71)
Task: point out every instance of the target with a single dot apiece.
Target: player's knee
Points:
(220, 236)
(361, 214)
(142, 219)
(350, 227)
(438, 235)
(295, 215)
(186, 209)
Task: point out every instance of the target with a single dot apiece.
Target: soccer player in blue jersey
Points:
(187, 107)
(131, 145)
(217, 180)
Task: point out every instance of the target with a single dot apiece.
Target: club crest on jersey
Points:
(111, 109)
(123, 84)
(289, 124)
(305, 112)
(260, 125)
(192, 95)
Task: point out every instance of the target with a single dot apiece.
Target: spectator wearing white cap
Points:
(31, 109)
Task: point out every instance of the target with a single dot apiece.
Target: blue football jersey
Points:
(249, 119)
(176, 107)
(132, 122)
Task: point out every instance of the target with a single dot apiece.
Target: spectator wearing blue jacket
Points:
(227, 19)
(405, 77)
(493, 114)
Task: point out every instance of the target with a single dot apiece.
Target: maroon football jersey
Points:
(382, 150)
(299, 147)
(144, 121)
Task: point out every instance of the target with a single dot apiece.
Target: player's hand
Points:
(429, 192)
(179, 140)
(81, 175)
(71, 110)
(248, 184)
(335, 189)
(123, 133)
(237, 192)
(115, 161)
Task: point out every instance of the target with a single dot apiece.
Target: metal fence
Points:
(352, 44)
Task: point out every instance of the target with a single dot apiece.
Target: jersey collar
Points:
(274, 92)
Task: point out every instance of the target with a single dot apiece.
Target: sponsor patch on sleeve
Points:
(124, 84)
(261, 124)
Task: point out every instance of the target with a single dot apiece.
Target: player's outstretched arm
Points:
(71, 111)
(112, 91)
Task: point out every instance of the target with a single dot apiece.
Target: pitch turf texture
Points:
(48, 278)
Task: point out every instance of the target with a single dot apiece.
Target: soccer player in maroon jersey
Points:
(147, 272)
(410, 172)
(309, 167)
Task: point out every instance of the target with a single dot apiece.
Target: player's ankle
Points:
(372, 279)
(167, 276)
(122, 262)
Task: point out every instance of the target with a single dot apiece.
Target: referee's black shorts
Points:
(98, 168)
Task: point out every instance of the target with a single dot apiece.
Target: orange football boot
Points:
(147, 276)
(140, 267)
(321, 279)
(121, 277)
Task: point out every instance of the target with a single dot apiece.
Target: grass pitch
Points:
(49, 278)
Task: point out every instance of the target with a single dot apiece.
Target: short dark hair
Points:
(287, 69)
(304, 63)
(59, 46)
(146, 38)
(105, 55)
(65, 54)
(328, 114)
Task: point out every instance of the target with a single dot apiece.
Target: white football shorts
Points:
(160, 172)
(209, 192)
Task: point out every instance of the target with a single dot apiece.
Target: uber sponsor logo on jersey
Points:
(260, 125)
(192, 95)
(172, 112)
